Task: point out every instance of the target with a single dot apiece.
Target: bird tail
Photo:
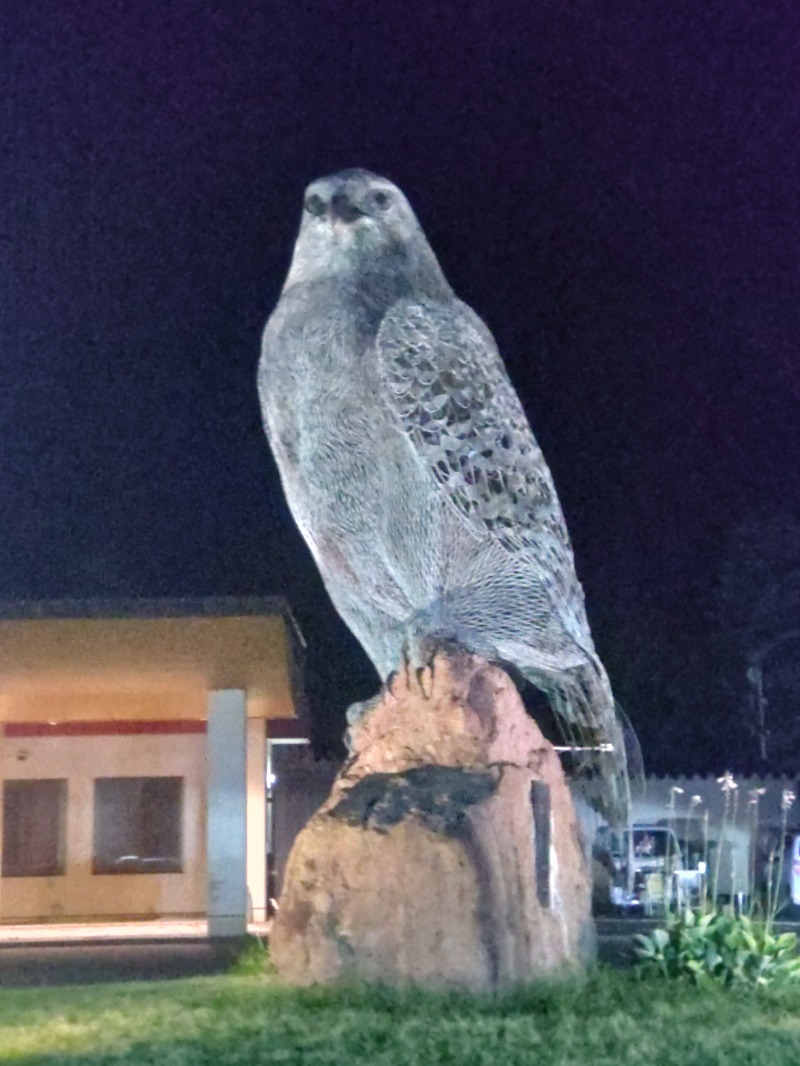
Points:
(598, 733)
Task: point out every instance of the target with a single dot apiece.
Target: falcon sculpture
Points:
(411, 469)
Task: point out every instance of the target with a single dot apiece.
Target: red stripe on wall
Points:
(127, 727)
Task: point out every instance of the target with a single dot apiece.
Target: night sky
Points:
(614, 187)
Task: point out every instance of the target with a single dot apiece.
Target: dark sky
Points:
(614, 187)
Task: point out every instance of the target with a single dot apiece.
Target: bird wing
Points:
(446, 382)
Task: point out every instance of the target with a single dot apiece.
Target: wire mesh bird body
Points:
(408, 462)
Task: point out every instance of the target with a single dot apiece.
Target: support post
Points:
(226, 765)
(256, 819)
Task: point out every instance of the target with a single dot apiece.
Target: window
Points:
(137, 825)
(33, 828)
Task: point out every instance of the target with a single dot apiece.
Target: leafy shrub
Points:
(719, 947)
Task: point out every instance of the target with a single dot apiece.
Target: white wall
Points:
(80, 893)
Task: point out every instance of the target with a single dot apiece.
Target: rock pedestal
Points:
(447, 852)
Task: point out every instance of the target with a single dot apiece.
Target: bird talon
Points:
(409, 671)
(391, 681)
(424, 674)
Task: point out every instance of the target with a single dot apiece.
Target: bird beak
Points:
(343, 209)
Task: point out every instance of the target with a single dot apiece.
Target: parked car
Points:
(646, 867)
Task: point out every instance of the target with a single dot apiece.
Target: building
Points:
(133, 749)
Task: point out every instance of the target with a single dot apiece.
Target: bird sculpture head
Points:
(357, 222)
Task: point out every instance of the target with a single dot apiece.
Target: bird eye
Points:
(315, 205)
(380, 200)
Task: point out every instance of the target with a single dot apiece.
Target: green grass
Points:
(611, 1019)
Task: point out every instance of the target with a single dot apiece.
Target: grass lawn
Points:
(610, 1020)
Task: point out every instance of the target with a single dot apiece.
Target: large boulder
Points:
(447, 852)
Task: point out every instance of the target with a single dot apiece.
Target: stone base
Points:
(448, 850)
